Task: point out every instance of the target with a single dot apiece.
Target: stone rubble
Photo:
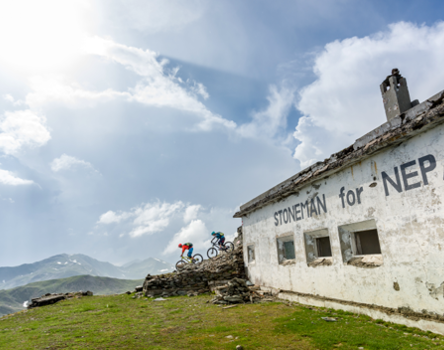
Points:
(224, 275)
(49, 298)
(234, 291)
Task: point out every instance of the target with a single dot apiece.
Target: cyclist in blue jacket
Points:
(221, 238)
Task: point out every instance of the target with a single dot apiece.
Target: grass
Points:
(11, 300)
(120, 322)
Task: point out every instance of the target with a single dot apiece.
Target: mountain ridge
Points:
(68, 265)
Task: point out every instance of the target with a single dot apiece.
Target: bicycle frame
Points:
(187, 259)
(215, 243)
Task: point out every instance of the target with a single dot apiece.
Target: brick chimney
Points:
(395, 95)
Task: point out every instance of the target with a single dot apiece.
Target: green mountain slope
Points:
(12, 300)
(64, 265)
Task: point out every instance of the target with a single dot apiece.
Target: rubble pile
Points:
(49, 298)
(195, 279)
(236, 291)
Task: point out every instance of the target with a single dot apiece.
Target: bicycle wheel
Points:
(198, 259)
(229, 247)
(180, 265)
(212, 253)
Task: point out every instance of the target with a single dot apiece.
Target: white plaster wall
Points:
(410, 227)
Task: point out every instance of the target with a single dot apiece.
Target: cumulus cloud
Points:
(158, 87)
(65, 162)
(20, 129)
(269, 122)
(8, 178)
(191, 213)
(344, 101)
(148, 218)
(196, 232)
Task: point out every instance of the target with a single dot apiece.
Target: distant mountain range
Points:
(64, 265)
(12, 300)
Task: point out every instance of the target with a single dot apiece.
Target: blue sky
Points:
(127, 127)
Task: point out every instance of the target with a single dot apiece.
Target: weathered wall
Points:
(410, 224)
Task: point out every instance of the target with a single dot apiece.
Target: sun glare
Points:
(41, 35)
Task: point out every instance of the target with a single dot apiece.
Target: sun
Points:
(41, 35)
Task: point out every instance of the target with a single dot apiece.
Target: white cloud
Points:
(191, 213)
(65, 162)
(49, 90)
(148, 218)
(160, 15)
(269, 122)
(111, 217)
(154, 217)
(22, 129)
(8, 178)
(158, 87)
(344, 102)
(196, 232)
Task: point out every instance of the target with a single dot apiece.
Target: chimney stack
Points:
(395, 95)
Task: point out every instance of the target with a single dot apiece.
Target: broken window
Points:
(317, 248)
(251, 257)
(323, 247)
(286, 251)
(360, 244)
(367, 242)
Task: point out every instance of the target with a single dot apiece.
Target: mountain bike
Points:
(214, 250)
(196, 260)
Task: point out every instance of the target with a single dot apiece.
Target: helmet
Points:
(213, 233)
(180, 245)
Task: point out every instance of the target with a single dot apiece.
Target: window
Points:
(251, 256)
(317, 248)
(367, 242)
(323, 246)
(286, 251)
(360, 244)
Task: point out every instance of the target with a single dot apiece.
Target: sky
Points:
(128, 127)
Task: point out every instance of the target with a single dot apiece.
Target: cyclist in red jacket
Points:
(187, 246)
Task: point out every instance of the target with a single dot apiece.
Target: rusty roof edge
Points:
(416, 120)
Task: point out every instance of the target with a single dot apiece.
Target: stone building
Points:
(364, 229)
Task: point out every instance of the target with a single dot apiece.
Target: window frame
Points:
(252, 248)
(312, 247)
(281, 250)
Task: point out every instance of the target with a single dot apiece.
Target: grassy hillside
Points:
(119, 322)
(11, 300)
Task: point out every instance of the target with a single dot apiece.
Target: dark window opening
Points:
(367, 242)
(323, 246)
(289, 250)
(250, 254)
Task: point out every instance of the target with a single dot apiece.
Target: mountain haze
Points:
(64, 265)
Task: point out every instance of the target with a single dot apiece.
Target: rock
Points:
(330, 319)
(239, 347)
(159, 299)
(128, 292)
(139, 288)
(233, 298)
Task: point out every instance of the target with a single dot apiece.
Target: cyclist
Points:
(221, 239)
(187, 246)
